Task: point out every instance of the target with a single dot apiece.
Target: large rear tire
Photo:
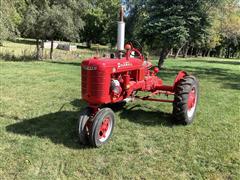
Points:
(185, 100)
(102, 127)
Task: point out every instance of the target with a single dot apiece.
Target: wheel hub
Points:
(104, 128)
(191, 99)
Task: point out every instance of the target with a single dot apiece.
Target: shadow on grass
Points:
(147, 117)
(65, 63)
(227, 62)
(226, 77)
(60, 127)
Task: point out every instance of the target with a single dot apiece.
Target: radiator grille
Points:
(93, 83)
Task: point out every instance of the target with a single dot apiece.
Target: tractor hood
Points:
(115, 65)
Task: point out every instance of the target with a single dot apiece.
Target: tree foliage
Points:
(173, 24)
(188, 27)
(100, 18)
(53, 20)
(9, 19)
(230, 28)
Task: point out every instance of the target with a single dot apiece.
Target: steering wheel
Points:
(131, 50)
(136, 44)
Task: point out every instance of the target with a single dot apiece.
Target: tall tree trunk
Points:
(238, 55)
(218, 51)
(197, 52)
(162, 57)
(178, 51)
(42, 49)
(190, 51)
(208, 52)
(51, 50)
(234, 51)
(89, 43)
(170, 53)
(193, 51)
(205, 54)
(185, 51)
(38, 49)
(228, 52)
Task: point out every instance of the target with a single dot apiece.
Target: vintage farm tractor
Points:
(119, 78)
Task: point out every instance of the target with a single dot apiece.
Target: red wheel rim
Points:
(192, 96)
(105, 129)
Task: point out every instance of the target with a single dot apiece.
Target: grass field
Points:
(25, 50)
(40, 104)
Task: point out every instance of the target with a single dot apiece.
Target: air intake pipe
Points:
(121, 31)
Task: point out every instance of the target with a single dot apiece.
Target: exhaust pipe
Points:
(121, 31)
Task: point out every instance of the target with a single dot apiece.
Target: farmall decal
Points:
(125, 64)
(90, 68)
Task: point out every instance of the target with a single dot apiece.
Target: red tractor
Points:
(117, 79)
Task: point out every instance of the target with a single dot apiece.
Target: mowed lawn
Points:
(39, 108)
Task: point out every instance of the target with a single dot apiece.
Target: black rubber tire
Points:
(180, 106)
(81, 129)
(97, 122)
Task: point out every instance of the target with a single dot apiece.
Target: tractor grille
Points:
(84, 82)
(93, 83)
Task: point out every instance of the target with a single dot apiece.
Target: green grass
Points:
(40, 104)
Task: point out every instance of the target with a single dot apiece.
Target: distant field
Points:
(26, 48)
(40, 104)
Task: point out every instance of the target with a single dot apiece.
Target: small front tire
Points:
(102, 127)
(82, 129)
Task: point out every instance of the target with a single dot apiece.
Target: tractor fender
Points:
(181, 75)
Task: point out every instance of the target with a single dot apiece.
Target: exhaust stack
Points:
(121, 31)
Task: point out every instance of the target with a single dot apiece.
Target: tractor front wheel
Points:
(185, 100)
(83, 131)
(102, 127)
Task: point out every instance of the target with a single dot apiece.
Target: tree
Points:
(53, 20)
(135, 19)
(230, 28)
(100, 18)
(9, 20)
(32, 25)
(167, 26)
(61, 22)
(188, 26)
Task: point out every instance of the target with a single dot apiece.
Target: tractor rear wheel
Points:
(102, 127)
(82, 128)
(185, 100)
